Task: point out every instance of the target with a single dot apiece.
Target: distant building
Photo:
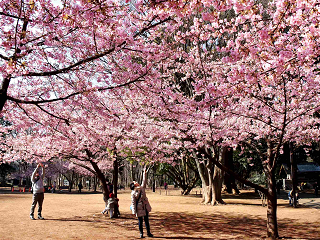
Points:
(306, 172)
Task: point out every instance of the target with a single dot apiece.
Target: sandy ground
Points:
(78, 216)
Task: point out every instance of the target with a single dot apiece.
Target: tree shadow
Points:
(220, 226)
(166, 225)
(75, 219)
(242, 195)
(183, 225)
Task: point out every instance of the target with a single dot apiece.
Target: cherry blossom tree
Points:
(100, 129)
(55, 50)
(251, 69)
(52, 52)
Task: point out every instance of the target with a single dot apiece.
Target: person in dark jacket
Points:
(80, 187)
(110, 186)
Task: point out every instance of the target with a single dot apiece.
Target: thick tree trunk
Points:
(115, 177)
(218, 179)
(206, 189)
(272, 224)
(206, 194)
(211, 178)
(229, 180)
(269, 169)
(216, 188)
(101, 177)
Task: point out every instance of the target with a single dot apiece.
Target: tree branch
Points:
(72, 66)
(52, 115)
(138, 79)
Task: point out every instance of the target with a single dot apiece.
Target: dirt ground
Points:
(78, 216)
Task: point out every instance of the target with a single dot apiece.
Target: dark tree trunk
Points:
(272, 223)
(3, 91)
(132, 173)
(101, 177)
(269, 169)
(115, 177)
(229, 180)
(153, 179)
(293, 174)
(188, 188)
(115, 185)
(71, 182)
(95, 183)
(272, 226)
(218, 177)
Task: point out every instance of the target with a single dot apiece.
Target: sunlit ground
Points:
(78, 216)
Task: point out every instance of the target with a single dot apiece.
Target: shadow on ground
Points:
(216, 226)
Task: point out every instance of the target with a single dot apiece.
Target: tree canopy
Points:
(88, 80)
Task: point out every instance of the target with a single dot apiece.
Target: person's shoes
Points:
(141, 235)
(150, 235)
(40, 217)
(102, 212)
(32, 217)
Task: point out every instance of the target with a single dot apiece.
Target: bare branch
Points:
(72, 66)
(138, 79)
(52, 115)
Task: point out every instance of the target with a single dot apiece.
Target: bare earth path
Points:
(78, 216)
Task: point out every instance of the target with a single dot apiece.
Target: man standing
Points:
(80, 187)
(38, 191)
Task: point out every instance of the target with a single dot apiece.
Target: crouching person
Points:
(110, 206)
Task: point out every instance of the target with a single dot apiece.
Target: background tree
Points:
(183, 171)
(5, 170)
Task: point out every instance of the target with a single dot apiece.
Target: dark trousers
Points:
(146, 221)
(37, 198)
